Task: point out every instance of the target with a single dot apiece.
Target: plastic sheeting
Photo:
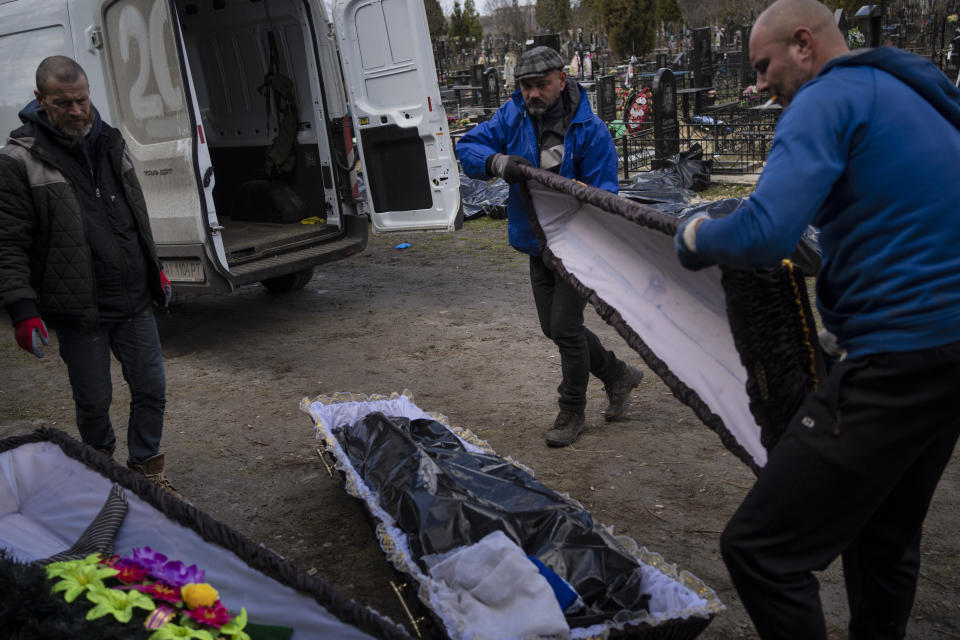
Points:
(673, 186)
(444, 497)
(482, 198)
(680, 604)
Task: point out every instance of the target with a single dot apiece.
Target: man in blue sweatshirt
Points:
(867, 150)
(548, 123)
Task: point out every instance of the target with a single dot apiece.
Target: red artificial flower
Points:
(160, 591)
(215, 616)
(129, 571)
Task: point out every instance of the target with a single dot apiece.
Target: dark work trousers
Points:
(852, 476)
(560, 309)
(136, 344)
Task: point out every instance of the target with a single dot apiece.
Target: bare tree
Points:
(745, 11)
(511, 18)
(553, 15)
(701, 13)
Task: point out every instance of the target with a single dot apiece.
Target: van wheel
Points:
(290, 282)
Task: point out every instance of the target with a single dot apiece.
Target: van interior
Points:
(264, 125)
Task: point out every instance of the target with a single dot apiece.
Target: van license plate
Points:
(184, 270)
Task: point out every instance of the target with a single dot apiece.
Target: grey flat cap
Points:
(537, 62)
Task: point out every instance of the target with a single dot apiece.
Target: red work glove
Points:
(167, 289)
(32, 336)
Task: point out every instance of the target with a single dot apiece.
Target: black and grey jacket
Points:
(75, 240)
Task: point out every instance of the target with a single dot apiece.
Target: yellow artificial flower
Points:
(199, 595)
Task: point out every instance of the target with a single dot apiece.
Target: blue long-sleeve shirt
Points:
(868, 152)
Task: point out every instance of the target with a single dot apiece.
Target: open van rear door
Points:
(155, 111)
(409, 167)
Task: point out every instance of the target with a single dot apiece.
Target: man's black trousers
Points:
(560, 309)
(853, 476)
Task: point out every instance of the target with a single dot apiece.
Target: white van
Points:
(241, 116)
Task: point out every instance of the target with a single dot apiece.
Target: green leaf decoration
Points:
(234, 628)
(56, 569)
(176, 632)
(76, 579)
(118, 603)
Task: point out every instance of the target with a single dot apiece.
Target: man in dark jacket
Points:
(76, 252)
(548, 123)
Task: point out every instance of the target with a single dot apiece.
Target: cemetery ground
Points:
(452, 320)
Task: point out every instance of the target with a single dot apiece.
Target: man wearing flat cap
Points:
(548, 123)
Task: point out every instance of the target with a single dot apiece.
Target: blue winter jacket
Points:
(588, 156)
(869, 152)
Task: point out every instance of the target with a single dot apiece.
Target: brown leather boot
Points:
(566, 428)
(152, 469)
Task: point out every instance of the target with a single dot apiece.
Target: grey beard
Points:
(77, 137)
(536, 111)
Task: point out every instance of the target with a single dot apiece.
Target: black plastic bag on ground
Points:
(671, 188)
(693, 169)
(480, 197)
(443, 496)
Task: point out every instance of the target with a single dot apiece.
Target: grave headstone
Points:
(476, 80)
(661, 60)
(607, 98)
(702, 63)
(666, 123)
(747, 75)
(868, 18)
(840, 19)
(491, 88)
(551, 40)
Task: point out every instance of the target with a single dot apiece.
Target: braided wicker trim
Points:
(256, 556)
(652, 219)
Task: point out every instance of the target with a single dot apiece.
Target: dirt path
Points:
(452, 320)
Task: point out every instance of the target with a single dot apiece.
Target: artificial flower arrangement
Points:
(751, 96)
(173, 597)
(640, 110)
(855, 38)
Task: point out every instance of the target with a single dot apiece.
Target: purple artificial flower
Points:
(177, 574)
(148, 558)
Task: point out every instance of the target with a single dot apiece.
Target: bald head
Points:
(789, 44)
(59, 69)
(782, 18)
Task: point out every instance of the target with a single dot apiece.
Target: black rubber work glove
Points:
(504, 166)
